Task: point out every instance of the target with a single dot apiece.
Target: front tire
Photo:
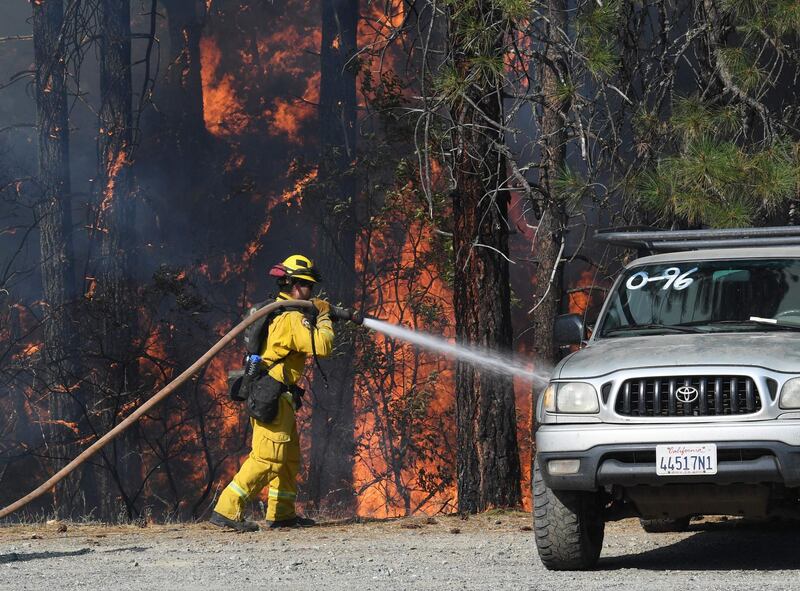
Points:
(569, 526)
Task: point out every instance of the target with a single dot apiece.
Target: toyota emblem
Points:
(687, 394)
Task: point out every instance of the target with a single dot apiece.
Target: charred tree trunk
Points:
(181, 133)
(331, 466)
(115, 144)
(553, 220)
(184, 92)
(488, 457)
(55, 227)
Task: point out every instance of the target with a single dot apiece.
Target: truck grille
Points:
(673, 396)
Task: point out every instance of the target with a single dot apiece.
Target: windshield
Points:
(704, 296)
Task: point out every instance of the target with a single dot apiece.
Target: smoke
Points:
(226, 148)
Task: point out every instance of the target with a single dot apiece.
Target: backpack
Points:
(261, 392)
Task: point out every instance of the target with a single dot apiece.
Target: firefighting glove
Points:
(322, 306)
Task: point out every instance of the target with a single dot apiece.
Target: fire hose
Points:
(336, 312)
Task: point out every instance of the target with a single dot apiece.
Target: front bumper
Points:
(750, 453)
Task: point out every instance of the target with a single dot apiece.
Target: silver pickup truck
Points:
(685, 401)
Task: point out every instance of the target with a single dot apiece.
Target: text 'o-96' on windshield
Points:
(672, 277)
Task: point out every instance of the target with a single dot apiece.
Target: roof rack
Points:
(642, 238)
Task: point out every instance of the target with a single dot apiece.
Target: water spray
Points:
(477, 356)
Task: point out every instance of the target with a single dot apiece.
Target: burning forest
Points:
(444, 165)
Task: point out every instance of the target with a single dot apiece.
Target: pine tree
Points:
(730, 154)
(488, 465)
(55, 227)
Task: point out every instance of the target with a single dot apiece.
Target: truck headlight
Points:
(790, 394)
(571, 397)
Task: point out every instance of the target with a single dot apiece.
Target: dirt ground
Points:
(489, 551)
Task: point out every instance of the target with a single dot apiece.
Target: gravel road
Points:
(490, 551)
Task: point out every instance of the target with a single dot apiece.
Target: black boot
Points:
(239, 526)
(295, 521)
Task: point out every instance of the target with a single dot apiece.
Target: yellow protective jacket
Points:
(290, 338)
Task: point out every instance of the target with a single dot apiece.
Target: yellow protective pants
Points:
(274, 460)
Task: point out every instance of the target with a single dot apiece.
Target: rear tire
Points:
(662, 526)
(569, 526)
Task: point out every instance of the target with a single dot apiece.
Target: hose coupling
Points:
(339, 313)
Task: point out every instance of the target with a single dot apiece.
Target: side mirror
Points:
(568, 330)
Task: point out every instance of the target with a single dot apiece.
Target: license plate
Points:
(686, 459)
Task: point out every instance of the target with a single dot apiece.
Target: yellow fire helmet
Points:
(296, 266)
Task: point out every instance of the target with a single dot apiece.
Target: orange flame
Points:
(288, 49)
(415, 386)
(31, 349)
(287, 53)
(378, 30)
(227, 268)
(28, 351)
(223, 112)
(113, 168)
(288, 116)
(288, 198)
(69, 425)
(91, 288)
(517, 57)
(580, 295)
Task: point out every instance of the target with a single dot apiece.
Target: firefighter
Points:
(275, 456)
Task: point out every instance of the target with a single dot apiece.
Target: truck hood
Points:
(778, 351)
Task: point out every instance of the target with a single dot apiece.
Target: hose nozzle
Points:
(350, 314)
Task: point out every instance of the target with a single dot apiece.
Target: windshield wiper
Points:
(775, 322)
(674, 327)
(753, 321)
